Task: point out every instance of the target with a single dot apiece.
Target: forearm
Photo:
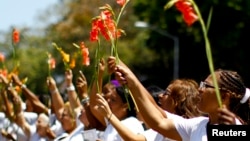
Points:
(93, 121)
(8, 110)
(57, 101)
(93, 104)
(141, 96)
(21, 122)
(28, 93)
(73, 97)
(123, 131)
(38, 106)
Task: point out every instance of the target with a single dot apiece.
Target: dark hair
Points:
(155, 91)
(126, 98)
(232, 82)
(45, 99)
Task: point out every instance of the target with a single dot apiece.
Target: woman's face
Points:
(166, 101)
(115, 103)
(68, 122)
(42, 125)
(108, 89)
(208, 101)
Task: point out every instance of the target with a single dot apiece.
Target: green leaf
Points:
(170, 4)
(77, 46)
(209, 18)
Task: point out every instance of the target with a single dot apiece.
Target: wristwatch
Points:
(85, 100)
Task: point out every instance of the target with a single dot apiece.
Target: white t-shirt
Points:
(21, 136)
(33, 134)
(30, 117)
(2, 116)
(90, 135)
(132, 123)
(193, 129)
(75, 135)
(57, 128)
(55, 125)
(152, 135)
(4, 123)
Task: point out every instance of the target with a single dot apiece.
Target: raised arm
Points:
(97, 85)
(38, 106)
(57, 101)
(8, 110)
(82, 87)
(122, 130)
(72, 95)
(156, 121)
(19, 119)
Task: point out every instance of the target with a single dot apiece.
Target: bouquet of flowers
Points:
(106, 25)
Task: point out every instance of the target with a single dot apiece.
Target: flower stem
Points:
(14, 54)
(209, 53)
(120, 13)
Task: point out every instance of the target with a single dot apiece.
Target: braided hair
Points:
(232, 82)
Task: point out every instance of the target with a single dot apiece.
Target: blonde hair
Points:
(71, 112)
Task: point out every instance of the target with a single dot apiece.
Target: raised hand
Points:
(122, 73)
(3, 79)
(103, 106)
(101, 66)
(51, 83)
(111, 62)
(68, 77)
(225, 116)
(16, 80)
(82, 85)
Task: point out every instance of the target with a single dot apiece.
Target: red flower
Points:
(105, 25)
(95, 30)
(187, 10)
(121, 2)
(4, 72)
(85, 54)
(2, 57)
(15, 36)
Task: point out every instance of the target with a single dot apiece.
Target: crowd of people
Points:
(121, 108)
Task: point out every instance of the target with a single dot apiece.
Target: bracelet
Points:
(54, 91)
(85, 100)
(23, 86)
(110, 117)
(71, 88)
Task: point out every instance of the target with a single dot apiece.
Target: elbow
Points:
(137, 137)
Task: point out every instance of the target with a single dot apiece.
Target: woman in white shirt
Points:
(120, 110)
(233, 93)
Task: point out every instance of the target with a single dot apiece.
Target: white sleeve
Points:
(2, 116)
(57, 128)
(192, 129)
(149, 134)
(133, 124)
(30, 117)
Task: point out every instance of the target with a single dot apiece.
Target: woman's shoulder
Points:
(130, 119)
(133, 124)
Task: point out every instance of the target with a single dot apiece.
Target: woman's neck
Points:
(71, 130)
(213, 118)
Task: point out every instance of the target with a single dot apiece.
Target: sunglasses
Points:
(167, 92)
(204, 85)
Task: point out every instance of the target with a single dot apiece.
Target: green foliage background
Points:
(148, 53)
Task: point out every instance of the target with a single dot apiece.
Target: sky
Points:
(20, 13)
